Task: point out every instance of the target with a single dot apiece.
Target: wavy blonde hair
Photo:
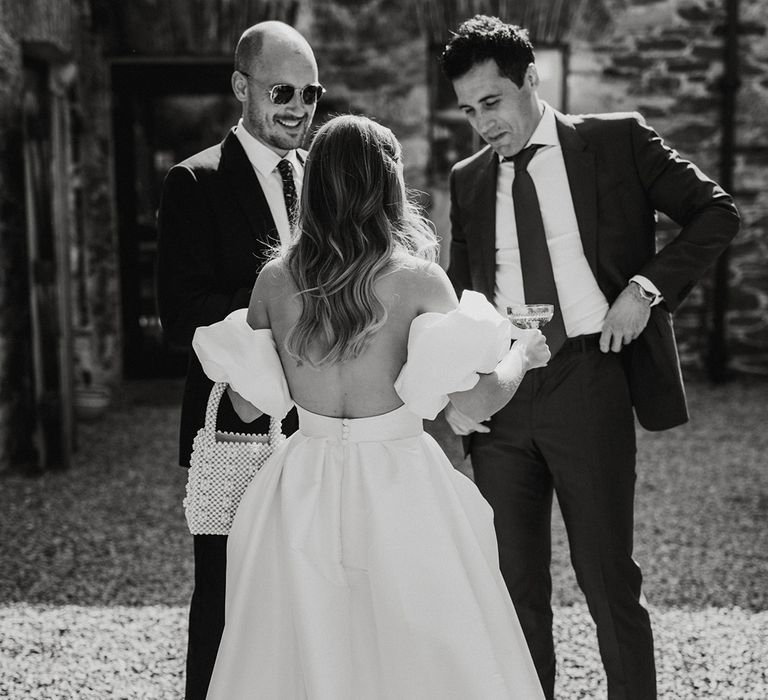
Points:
(356, 218)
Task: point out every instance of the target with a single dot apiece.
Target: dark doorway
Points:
(163, 112)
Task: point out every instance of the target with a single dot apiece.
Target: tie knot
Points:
(522, 158)
(285, 170)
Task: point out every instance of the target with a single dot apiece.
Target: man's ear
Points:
(239, 86)
(531, 78)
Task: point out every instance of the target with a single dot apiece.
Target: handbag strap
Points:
(212, 412)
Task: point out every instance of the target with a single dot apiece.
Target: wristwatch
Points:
(645, 295)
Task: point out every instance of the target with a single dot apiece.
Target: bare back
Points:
(362, 386)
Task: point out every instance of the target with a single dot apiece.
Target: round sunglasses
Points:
(282, 93)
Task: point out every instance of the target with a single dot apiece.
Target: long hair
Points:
(356, 219)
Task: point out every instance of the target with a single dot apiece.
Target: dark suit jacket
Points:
(215, 231)
(620, 173)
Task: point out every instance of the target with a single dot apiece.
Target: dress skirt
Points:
(362, 566)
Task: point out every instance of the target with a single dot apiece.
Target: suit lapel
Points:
(246, 189)
(483, 206)
(580, 167)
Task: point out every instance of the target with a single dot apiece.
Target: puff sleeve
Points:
(231, 351)
(448, 352)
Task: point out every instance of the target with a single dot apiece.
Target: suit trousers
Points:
(206, 613)
(570, 430)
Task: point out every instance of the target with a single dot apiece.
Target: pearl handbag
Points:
(221, 467)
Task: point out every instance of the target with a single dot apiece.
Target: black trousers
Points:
(570, 430)
(206, 613)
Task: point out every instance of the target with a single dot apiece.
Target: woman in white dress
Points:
(360, 564)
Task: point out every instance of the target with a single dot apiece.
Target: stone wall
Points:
(54, 33)
(665, 59)
(40, 30)
(748, 319)
(96, 284)
(372, 58)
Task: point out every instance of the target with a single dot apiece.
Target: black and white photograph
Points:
(383, 349)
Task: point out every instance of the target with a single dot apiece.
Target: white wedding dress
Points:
(360, 564)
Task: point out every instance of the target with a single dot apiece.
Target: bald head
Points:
(271, 54)
(270, 36)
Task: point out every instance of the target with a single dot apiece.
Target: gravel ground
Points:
(96, 564)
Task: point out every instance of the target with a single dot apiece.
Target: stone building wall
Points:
(39, 31)
(54, 33)
(665, 59)
(749, 315)
(372, 58)
(96, 295)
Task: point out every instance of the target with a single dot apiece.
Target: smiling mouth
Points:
(290, 123)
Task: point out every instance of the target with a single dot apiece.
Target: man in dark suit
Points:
(561, 209)
(221, 213)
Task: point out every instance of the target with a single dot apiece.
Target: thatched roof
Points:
(549, 22)
(184, 27)
(39, 23)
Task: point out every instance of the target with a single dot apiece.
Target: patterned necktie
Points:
(289, 190)
(538, 277)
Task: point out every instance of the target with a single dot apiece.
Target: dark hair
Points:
(483, 38)
(356, 221)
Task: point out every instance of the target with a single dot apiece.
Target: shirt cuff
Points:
(649, 287)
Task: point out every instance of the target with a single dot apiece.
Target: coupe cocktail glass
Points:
(529, 316)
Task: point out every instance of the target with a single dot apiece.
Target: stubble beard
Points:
(268, 130)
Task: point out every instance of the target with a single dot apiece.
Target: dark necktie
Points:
(538, 277)
(289, 190)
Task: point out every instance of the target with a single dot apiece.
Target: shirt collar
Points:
(261, 157)
(545, 133)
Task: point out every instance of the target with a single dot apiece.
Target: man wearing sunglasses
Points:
(221, 210)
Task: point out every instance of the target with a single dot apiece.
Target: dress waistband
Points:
(394, 425)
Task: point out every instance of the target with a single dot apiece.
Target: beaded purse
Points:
(221, 467)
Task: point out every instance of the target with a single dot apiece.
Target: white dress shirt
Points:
(582, 303)
(264, 161)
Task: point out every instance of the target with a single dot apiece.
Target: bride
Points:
(360, 564)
